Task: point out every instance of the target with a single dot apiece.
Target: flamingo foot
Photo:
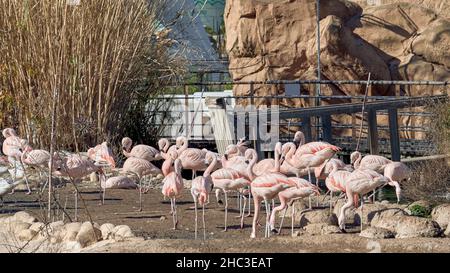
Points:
(28, 193)
(253, 235)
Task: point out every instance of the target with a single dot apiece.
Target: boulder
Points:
(441, 214)
(321, 229)
(27, 235)
(377, 233)
(406, 226)
(275, 40)
(70, 236)
(427, 207)
(72, 227)
(353, 216)
(122, 232)
(16, 226)
(38, 226)
(317, 216)
(447, 231)
(56, 226)
(107, 231)
(88, 234)
(24, 217)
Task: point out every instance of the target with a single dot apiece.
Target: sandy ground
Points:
(154, 224)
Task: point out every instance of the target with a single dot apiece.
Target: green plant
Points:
(419, 211)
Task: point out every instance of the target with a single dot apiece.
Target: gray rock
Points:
(321, 229)
(122, 232)
(321, 216)
(447, 231)
(377, 233)
(27, 235)
(72, 227)
(24, 217)
(88, 234)
(406, 226)
(441, 214)
(107, 231)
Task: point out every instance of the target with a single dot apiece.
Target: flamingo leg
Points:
(292, 218)
(344, 208)
(249, 204)
(243, 212)
(140, 193)
(103, 195)
(196, 216)
(172, 209)
(282, 219)
(76, 205)
(362, 213)
(331, 201)
(204, 222)
(26, 177)
(256, 203)
(226, 209)
(267, 218)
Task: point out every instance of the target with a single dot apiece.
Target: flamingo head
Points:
(354, 156)
(299, 138)
(173, 155)
(209, 158)
(5, 132)
(231, 150)
(250, 155)
(102, 154)
(126, 143)
(162, 143)
(180, 141)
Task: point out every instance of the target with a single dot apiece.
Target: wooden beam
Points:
(326, 127)
(394, 135)
(348, 108)
(373, 132)
(306, 129)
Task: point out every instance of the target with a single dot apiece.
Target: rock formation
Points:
(393, 40)
(271, 40)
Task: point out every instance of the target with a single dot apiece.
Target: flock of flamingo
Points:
(238, 170)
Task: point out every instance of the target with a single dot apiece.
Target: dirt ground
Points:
(154, 225)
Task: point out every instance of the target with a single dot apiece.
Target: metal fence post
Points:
(394, 135)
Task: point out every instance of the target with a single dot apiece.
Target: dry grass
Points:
(431, 179)
(105, 59)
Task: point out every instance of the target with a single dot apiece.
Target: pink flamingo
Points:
(335, 182)
(191, 158)
(76, 167)
(312, 154)
(289, 196)
(119, 182)
(140, 151)
(12, 147)
(228, 179)
(397, 172)
(38, 159)
(371, 162)
(173, 185)
(358, 183)
(102, 154)
(200, 189)
(165, 148)
(266, 187)
(140, 167)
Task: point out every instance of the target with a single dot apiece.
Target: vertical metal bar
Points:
(394, 135)
(373, 131)
(307, 129)
(186, 110)
(326, 127)
(319, 76)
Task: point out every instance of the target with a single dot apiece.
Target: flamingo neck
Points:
(357, 161)
(184, 146)
(166, 166)
(210, 167)
(250, 166)
(126, 153)
(277, 160)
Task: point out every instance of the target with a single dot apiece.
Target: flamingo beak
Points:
(110, 160)
(226, 156)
